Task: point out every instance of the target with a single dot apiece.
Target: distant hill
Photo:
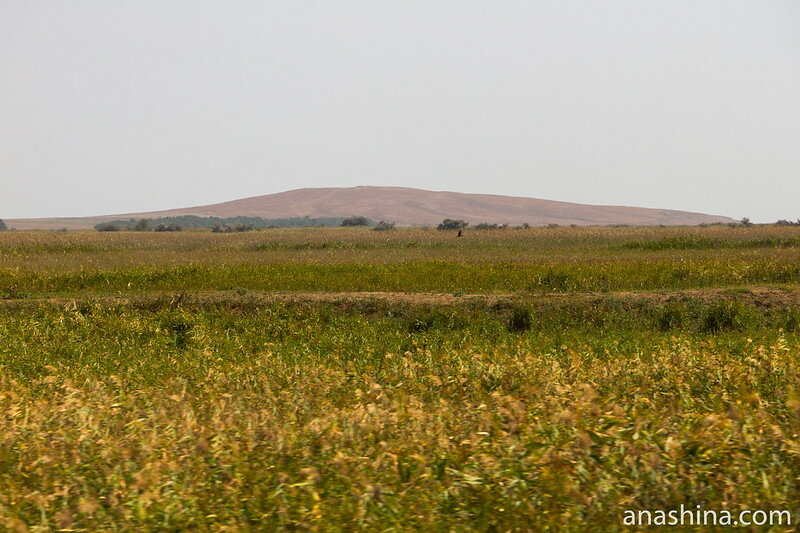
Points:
(406, 207)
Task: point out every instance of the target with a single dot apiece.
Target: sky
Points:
(112, 106)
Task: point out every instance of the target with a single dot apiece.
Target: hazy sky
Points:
(118, 106)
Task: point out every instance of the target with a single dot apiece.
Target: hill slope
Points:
(406, 206)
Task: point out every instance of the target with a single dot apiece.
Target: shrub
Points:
(106, 226)
(355, 221)
(231, 229)
(141, 225)
(426, 319)
(486, 226)
(384, 226)
(672, 317)
(519, 320)
(450, 223)
(724, 316)
(180, 331)
(168, 227)
(3, 226)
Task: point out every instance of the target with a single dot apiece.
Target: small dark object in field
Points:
(724, 316)
(519, 321)
(177, 300)
(180, 327)
(459, 233)
(181, 332)
(85, 308)
(12, 292)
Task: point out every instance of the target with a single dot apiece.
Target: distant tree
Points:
(141, 225)
(450, 223)
(746, 222)
(787, 223)
(106, 226)
(3, 226)
(355, 221)
(224, 228)
(168, 227)
(553, 226)
(383, 226)
(487, 225)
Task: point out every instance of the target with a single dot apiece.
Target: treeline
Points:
(453, 224)
(226, 224)
(142, 224)
(457, 224)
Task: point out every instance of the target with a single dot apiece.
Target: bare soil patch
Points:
(759, 296)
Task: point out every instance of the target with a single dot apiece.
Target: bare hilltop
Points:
(407, 207)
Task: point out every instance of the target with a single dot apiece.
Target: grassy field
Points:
(345, 379)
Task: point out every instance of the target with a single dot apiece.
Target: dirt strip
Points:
(762, 296)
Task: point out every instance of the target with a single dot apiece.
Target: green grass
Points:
(704, 243)
(420, 276)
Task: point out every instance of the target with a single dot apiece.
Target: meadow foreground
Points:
(407, 380)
